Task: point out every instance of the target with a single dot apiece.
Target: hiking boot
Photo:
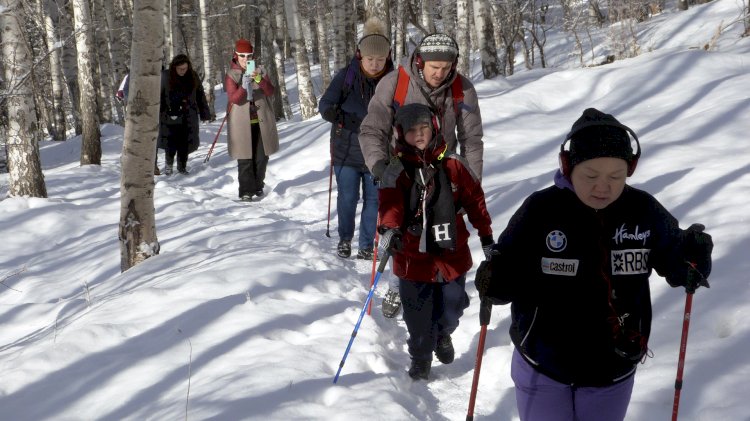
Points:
(259, 193)
(156, 171)
(168, 170)
(391, 304)
(365, 254)
(444, 349)
(246, 198)
(420, 369)
(182, 168)
(344, 248)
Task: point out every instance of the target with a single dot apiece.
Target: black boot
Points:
(444, 349)
(182, 167)
(420, 369)
(169, 165)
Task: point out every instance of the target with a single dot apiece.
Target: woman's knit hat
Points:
(374, 41)
(596, 135)
(243, 46)
(438, 47)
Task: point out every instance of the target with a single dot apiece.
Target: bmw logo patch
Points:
(556, 241)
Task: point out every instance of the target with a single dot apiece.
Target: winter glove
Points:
(391, 240)
(487, 243)
(331, 114)
(246, 83)
(378, 170)
(697, 248)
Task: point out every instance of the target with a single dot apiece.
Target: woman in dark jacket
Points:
(575, 261)
(345, 105)
(183, 103)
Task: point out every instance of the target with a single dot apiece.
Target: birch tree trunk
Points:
(463, 38)
(279, 56)
(114, 55)
(25, 176)
(307, 102)
(485, 40)
(321, 27)
(267, 53)
(426, 11)
(208, 67)
(402, 50)
(91, 148)
(340, 57)
(382, 10)
(137, 229)
(68, 61)
(105, 71)
(58, 110)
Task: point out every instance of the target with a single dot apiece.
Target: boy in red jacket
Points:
(424, 192)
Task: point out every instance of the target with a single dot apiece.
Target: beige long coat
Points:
(238, 122)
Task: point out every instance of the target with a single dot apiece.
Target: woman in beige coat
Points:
(251, 122)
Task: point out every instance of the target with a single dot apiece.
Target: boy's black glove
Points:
(487, 244)
(391, 240)
(697, 248)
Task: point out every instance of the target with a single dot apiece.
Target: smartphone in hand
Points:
(250, 69)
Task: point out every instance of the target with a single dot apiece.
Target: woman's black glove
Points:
(696, 249)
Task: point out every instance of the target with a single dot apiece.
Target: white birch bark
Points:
(463, 38)
(307, 102)
(426, 15)
(322, 28)
(485, 39)
(382, 10)
(338, 42)
(105, 71)
(265, 22)
(280, 33)
(209, 79)
(25, 176)
(137, 228)
(401, 50)
(69, 65)
(91, 148)
(57, 125)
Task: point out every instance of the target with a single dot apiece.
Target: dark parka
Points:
(458, 128)
(346, 106)
(398, 208)
(190, 103)
(238, 122)
(559, 262)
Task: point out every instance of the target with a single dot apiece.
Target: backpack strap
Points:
(457, 90)
(348, 81)
(402, 87)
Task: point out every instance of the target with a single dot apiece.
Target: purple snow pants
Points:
(539, 398)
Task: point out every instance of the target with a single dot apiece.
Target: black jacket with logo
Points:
(559, 262)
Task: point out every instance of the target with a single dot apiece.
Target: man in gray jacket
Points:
(428, 77)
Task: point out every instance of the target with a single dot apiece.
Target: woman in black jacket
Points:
(574, 261)
(345, 105)
(183, 103)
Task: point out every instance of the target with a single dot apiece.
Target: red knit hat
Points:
(243, 46)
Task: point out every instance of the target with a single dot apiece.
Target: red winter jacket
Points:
(395, 198)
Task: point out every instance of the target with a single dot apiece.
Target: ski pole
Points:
(381, 268)
(689, 291)
(485, 311)
(374, 261)
(683, 349)
(330, 189)
(218, 133)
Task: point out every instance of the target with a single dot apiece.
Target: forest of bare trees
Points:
(62, 61)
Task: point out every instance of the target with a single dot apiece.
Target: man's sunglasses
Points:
(243, 55)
